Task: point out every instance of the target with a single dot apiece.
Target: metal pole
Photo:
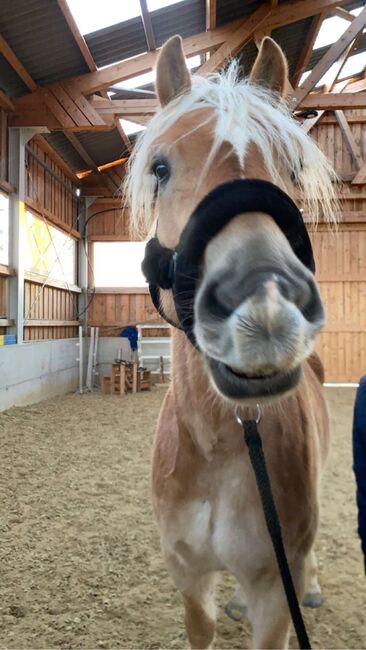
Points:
(95, 372)
(89, 381)
(80, 359)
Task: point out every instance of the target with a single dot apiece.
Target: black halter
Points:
(179, 269)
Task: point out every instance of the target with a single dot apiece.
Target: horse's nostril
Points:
(213, 301)
(312, 309)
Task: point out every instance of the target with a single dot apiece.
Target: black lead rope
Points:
(254, 443)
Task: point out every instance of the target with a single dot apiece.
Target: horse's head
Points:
(257, 307)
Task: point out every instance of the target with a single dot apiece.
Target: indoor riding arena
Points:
(86, 359)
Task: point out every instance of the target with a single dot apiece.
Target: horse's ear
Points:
(172, 75)
(270, 68)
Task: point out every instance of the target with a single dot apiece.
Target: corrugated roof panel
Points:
(185, 18)
(10, 83)
(38, 33)
(64, 148)
(117, 42)
(103, 147)
(228, 10)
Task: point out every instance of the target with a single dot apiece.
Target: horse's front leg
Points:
(200, 611)
(268, 610)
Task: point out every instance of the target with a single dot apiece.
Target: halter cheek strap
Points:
(179, 269)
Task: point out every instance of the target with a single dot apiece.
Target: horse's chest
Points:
(215, 527)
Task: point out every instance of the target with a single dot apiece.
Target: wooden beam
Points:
(79, 38)
(210, 14)
(126, 106)
(360, 177)
(81, 150)
(31, 322)
(334, 101)
(342, 13)
(347, 134)
(124, 137)
(285, 14)
(330, 57)
(148, 28)
(5, 102)
(19, 68)
(237, 40)
(307, 48)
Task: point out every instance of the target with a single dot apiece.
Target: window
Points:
(48, 251)
(4, 229)
(118, 264)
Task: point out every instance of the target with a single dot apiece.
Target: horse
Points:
(257, 312)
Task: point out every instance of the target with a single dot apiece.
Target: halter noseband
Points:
(179, 269)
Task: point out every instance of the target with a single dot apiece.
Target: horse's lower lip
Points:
(241, 386)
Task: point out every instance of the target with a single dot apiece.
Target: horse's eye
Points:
(161, 170)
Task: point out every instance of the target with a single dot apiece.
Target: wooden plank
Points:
(330, 57)
(55, 107)
(19, 68)
(211, 14)
(342, 13)
(5, 270)
(285, 14)
(347, 134)
(37, 278)
(6, 322)
(237, 40)
(46, 147)
(5, 102)
(334, 101)
(39, 322)
(3, 145)
(119, 290)
(81, 150)
(360, 177)
(96, 237)
(80, 40)
(124, 107)
(69, 105)
(307, 48)
(83, 104)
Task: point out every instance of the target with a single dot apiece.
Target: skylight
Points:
(354, 65)
(332, 29)
(149, 77)
(93, 15)
(131, 127)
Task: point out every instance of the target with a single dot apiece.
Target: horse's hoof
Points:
(313, 600)
(235, 612)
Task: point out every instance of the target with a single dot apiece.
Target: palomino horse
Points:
(256, 314)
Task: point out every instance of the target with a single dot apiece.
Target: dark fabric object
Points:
(130, 333)
(359, 459)
(180, 269)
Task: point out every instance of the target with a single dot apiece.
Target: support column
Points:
(83, 264)
(18, 138)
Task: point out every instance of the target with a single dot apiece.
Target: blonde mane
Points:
(244, 113)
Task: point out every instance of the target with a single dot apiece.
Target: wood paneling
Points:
(54, 192)
(108, 221)
(52, 305)
(114, 311)
(341, 273)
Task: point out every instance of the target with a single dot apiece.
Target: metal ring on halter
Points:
(240, 421)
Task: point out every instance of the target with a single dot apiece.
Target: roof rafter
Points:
(210, 14)
(307, 49)
(19, 68)
(83, 47)
(350, 141)
(334, 101)
(330, 57)
(148, 28)
(342, 13)
(285, 14)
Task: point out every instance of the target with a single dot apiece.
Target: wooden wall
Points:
(50, 311)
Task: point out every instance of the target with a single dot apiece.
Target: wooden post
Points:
(134, 378)
(122, 379)
(161, 370)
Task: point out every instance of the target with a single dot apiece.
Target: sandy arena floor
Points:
(80, 563)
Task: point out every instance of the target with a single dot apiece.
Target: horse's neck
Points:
(199, 408)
